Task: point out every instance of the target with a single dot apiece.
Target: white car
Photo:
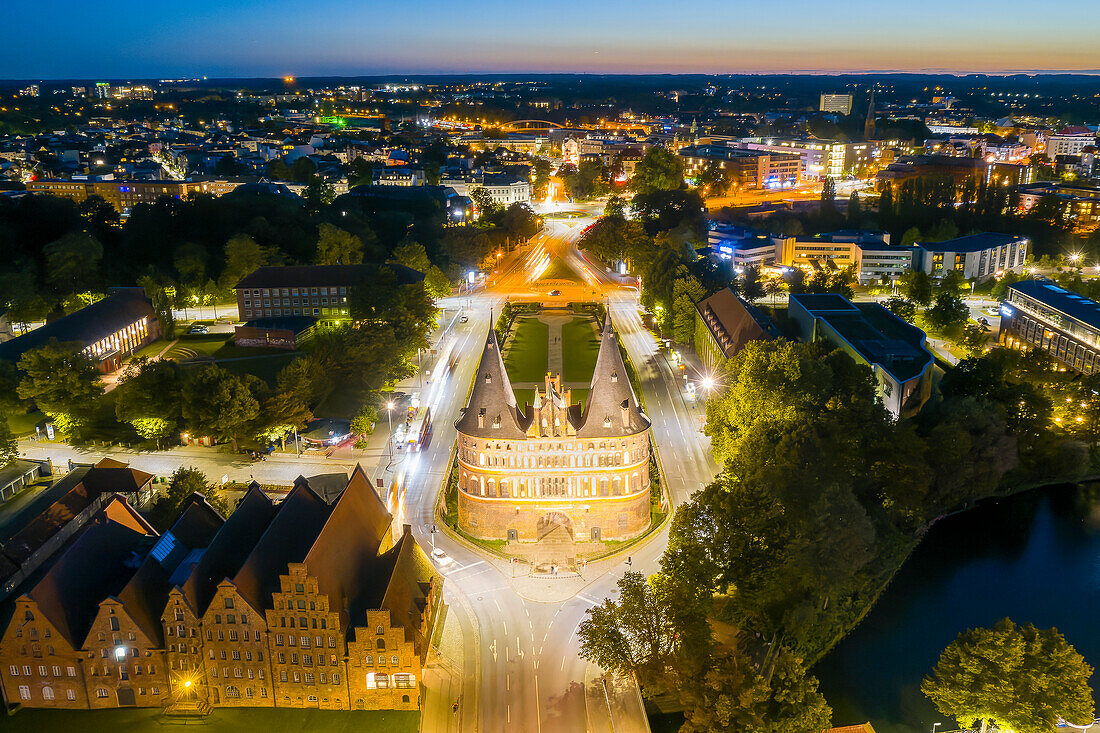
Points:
(439, 556)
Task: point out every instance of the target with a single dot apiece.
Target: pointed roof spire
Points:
(491, 411)
(612, 409)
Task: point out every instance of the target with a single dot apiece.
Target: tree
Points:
(184, 482)
(948, 314)
(72, 263)
(686, 292)
(9, 446)
(911, 236)
(336, 246)
(218, 403)
(734, 696)
(903, 308)
(590, 180)
(62, 381)
(1022, 678)
(486, 205)
(749, 286)
(855, 210)
(828, 196)
(412, 254)
(148, 397)
(319, 193)
(658, 170)
(916, 285)
(243, 256)
(615, 207)
(634, 635)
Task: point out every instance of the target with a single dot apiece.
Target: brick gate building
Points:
(524, 473)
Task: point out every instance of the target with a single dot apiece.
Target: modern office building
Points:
(109, 330)
(724, 323)
(977, 256)
(553, 467)
(873, 336)
(838, 103)
(1080, 202)
(1039, 314)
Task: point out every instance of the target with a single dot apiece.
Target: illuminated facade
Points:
(1042, 315)
(522, 473)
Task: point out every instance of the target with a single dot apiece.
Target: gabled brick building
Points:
(304, 604)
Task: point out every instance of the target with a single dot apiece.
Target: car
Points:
(555, 292)
(464, 319)
(198, 328)
(439, 556)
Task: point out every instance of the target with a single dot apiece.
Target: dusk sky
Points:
(137, 38)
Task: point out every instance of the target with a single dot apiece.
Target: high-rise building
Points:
(838, 103)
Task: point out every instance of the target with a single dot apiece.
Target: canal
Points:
(1033, 557)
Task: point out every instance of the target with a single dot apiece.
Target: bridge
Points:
(531, 126)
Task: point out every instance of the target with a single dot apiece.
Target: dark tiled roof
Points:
(970, 243)
(146, 595)
(409, 580)
(87, 325)
(492, 398)
(611, 398)
(229, 548)
(287, 539)
(97, 564)
(291, 276)
(356, 530)
(733, 322)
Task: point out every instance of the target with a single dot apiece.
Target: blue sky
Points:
(146, 38)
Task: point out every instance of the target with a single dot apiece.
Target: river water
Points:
(1033, 557)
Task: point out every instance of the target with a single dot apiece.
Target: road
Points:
(520, 645)
(514, 663)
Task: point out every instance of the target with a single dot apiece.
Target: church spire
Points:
(612, 409)
(869, 123)
(491, 411)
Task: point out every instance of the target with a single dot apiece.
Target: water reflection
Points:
(1034, 558)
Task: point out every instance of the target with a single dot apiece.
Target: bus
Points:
(418, 429)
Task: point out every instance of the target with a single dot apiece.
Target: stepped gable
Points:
(98, 563)
(357, 530)
(491, 411)
(228, 549)
(612, 411)
(409, 580)
(287, 539)
(146, 595)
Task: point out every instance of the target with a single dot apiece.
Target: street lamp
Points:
(389, 419)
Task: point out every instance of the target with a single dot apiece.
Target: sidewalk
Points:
(613, 703)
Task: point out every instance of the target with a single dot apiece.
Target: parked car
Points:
(555, 292)
(464, 319)
(198, 328)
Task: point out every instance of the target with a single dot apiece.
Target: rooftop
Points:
(971, 242)
(1071, 304)
(296, 276)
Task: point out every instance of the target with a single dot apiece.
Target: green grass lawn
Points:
(223, 720)
(580, 347)
(527, 358)
(150, 350)
(558, 270)
(344, 401)
(23, 423)
(190, 347)
(266, 368)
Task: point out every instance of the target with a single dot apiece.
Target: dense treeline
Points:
(821, 498)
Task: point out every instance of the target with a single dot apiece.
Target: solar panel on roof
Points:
(164, 546)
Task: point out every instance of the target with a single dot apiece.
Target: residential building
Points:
(975, 256)
(873, 336)
(724, 323)
(504, 188)
(839, 103)
(1039, 314)
(108, 330)
(1080, 202)
(748, 168)
(20, 474)
(1070, 141)
(553, 467)
(317, 291)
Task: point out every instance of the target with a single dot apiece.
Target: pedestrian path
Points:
(554, 356)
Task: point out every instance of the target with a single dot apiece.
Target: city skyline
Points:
(335, 37)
